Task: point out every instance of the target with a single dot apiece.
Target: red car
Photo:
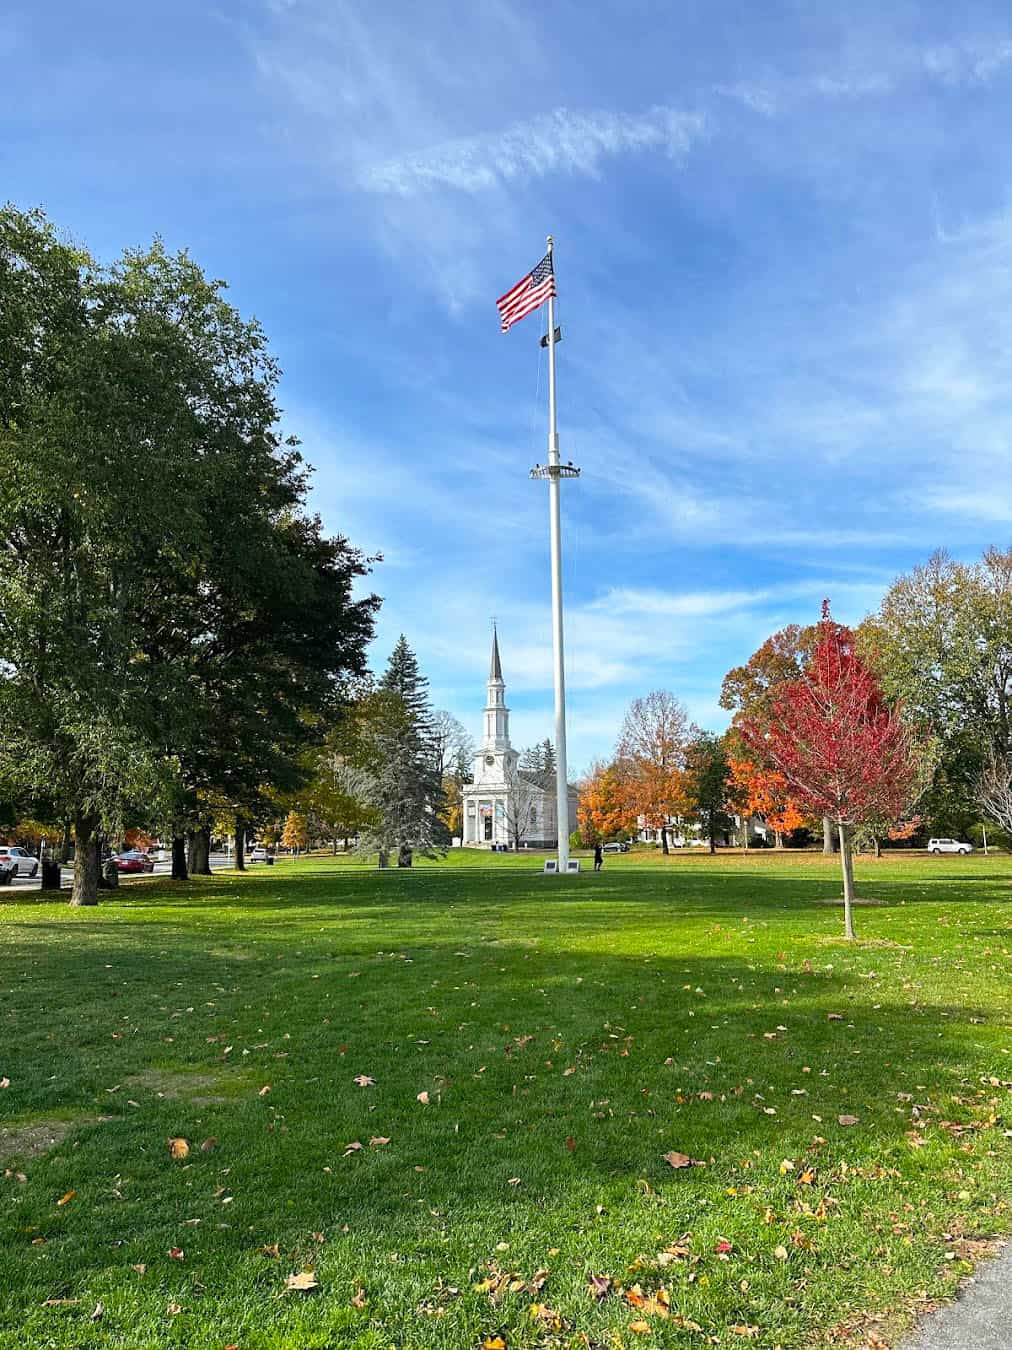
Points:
(133, 860)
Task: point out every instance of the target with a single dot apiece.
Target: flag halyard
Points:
(528, 294)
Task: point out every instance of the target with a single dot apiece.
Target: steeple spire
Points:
(495, 669)
(497, 715)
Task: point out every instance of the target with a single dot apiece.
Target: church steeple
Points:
(497, 715)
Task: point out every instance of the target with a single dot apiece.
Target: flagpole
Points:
(555, 535)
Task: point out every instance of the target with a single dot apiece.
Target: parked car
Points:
(133, 860)
(949, 846)
(616, 846)
(7, 869)
(259, 854)
(25, 863)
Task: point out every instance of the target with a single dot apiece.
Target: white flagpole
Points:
(555, 532)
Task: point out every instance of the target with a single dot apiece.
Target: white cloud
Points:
(559, 142)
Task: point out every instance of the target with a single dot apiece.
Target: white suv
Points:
(948, 846)
(25, 865)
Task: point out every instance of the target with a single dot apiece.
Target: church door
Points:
(488, 828)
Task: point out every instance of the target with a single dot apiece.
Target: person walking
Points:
(598, 857)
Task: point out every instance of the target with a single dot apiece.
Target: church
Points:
(504, 805)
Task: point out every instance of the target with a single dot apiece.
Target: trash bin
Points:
(50, 874)
(110, 876)
(269, 860)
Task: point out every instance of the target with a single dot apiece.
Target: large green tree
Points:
(942, 642)
(172, 620)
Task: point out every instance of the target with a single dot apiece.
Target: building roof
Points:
(495, 669)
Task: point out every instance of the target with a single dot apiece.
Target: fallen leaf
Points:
(723, 1247)
(423, 1097)
(676, 1160)
(177, 1254)
(264, 1090)
(173, 1310)
(834, 1017)
(571, 1144)
(208, 1144)
(780, 1253)
(493, 1343)
(358, 1299)
(97, 1314)
(640, 1327)
(363, 1080)
(599, 1286)
(5, 1082)
(847, 1120)
(378, 1140)
(513, 1181)
(303, 1281)
(272, 1250)
(179, 1148)
(60, 1302)
(354, 1147)
(66, 1199)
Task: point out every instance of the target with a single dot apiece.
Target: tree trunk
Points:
(191, 851)
(847, 864)
(713, 842)
(383, 857)
(827, 836)
(65, 844)
(86, 860)
(240, 844)
(878, 847)
(405, 856)
(778, 836)
(335, 846)
(200, 864)
(744, 833)
(664, 839)
(180, 871)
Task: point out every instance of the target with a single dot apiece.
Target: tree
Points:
(942, 641)
(295, 835)
(652, 743)
(454, 752)
(520, 805)
(756, 791)
(843, 751)
(706, 782)
(173, 617)
(604, 808)
(751, 690)
(405, 787)
(994, 790)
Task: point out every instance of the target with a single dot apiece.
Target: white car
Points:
(949, 846)
(258, 854)
(25, 865)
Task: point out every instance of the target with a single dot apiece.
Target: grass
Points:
(568, 1032)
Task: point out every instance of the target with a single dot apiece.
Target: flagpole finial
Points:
(550, 241)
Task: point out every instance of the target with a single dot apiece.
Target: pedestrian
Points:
(598, 857)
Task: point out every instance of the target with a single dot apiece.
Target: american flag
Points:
(533, 290)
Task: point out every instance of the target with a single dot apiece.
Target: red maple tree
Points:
(842, 750)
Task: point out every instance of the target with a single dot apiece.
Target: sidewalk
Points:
(981, 1317)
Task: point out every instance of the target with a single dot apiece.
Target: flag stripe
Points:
(528, 294)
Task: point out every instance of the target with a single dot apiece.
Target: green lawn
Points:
(568, 1032)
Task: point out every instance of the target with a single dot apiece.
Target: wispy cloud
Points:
(559, 142)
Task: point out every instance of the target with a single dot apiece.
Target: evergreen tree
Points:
(406, 790)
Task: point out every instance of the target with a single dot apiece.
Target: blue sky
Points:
(784, 257)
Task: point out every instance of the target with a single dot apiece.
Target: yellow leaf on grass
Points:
(640, 1327)
(66, 1199)
(302, 1281)
(179, 1148)
(780, 1253)
(493, 1343)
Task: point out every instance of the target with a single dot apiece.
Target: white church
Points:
(505, 806)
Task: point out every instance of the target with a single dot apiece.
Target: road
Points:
(162, 869)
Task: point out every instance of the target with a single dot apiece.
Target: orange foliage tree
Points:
(604, 807)
(756, 791)
(652, 747)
